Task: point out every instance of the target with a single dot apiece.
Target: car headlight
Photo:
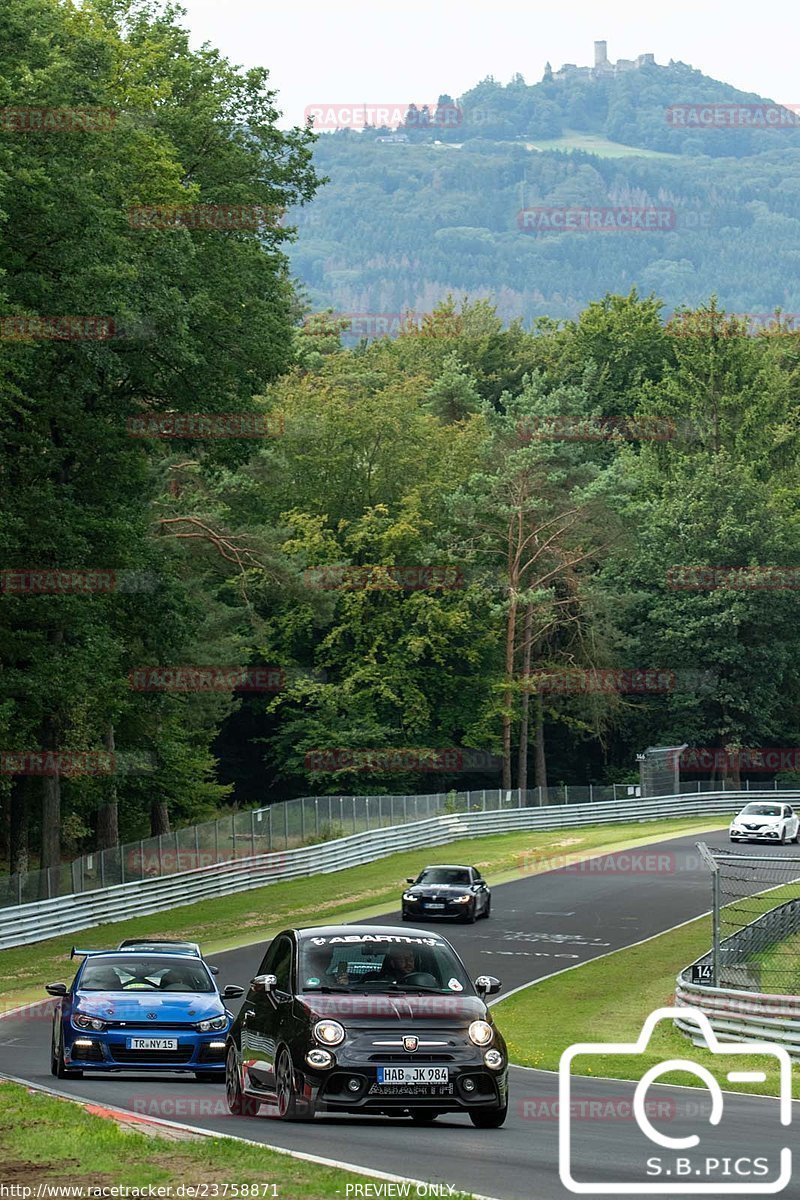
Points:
(84, 1021)
(481, 1033)
(409, 896)
(329, 1032)
(212, 1023)
(462, 899)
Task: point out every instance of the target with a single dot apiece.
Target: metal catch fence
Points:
(290, 825)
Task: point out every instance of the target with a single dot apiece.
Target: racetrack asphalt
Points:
(539, 925)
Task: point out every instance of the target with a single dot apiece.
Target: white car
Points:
(765, 821)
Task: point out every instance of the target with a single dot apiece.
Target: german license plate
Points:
(434, 906)
(146, 1043)
(404, 1075)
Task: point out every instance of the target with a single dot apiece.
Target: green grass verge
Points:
(257, 915)
(608, 1000)
(47, 1140)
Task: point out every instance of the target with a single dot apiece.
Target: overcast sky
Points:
(374, 52)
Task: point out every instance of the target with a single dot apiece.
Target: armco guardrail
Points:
(69, 914)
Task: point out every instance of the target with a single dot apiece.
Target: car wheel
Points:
(208, 1077)
(238, 1103)
(488, 1118)
(796, 837)
(285, 1094)
(488, 908)
(783, 835)
(423, 1116)
(470, 915)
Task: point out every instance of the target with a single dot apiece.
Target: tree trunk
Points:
(540, 761)
(159, 816)
(522, 762)
(511, 630)
(108, 812)
(51, 800)
(18, 832)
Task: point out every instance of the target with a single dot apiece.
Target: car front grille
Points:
(412, 1059)
(123, 1055)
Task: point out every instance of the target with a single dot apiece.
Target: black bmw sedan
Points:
(457, 892)
(367, 1019)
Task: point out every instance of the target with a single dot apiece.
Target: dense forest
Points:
(332, 568)
(402, 225)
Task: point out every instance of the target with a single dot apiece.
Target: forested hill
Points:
(402, 224)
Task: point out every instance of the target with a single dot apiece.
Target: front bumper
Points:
(420, 910)
(471, 1083)
(91, 1050)
(766, 834)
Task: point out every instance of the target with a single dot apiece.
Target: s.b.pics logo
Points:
(699, 1156)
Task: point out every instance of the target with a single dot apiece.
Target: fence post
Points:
(271, 843)
(591, 793)
(303, 819)
(19, 887)
(216, 842)
(566, 794)
(715, 932)
(252, 832)
(286, 825)
(197, 845)
(405, 809)
(316, 816)
(540, 795)
(354, 815)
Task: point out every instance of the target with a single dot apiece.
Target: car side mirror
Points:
(264, 983)
(410, 879)
(487, 985)
(232, 991)
(213, 970)
(56, 989)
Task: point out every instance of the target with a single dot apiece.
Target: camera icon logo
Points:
(680, 1163)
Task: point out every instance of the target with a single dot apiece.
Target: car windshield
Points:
(762, 810)
(456, 875)
(380, 963)
(126, 973)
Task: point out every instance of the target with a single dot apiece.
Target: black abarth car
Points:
(367, 1019)
(447, 891)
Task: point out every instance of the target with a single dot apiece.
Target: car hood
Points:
(389, 1008)
(754, 819)
(169, 1007)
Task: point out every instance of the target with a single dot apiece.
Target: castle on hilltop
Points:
(601, 65)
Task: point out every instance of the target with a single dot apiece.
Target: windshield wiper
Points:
(326, 989)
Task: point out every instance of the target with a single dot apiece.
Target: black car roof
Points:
(447, 867)
(168, 956)
(398, 931)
